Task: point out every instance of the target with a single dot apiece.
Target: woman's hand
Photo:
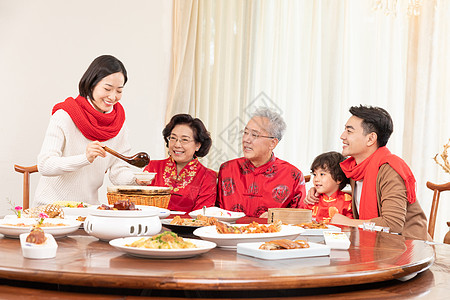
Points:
(343, 220)
(143, 182)
(312, 197)
(93, 150)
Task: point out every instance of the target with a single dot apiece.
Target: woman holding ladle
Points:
(73, 161)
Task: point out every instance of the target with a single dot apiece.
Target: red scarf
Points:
(94, 125)
(368, 171)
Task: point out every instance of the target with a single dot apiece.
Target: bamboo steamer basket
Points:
(158, 196)
(289, 215)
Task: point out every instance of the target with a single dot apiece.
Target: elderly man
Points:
(382, 183)
(258, 181)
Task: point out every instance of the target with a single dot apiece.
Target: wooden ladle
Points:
(139, 160)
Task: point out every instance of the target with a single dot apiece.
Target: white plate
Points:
(209, 233)
(320, 231)
(202, 247)
(218, 213)
(145, 211)
(57, 231)
(252, 249)
(76, 211)
(162, 212)
(177, 212)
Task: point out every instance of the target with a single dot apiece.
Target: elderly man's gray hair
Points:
(277, 125)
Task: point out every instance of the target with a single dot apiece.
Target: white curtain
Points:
(311, 61)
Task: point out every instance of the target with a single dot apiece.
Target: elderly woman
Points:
(258, 181)
(193, 185)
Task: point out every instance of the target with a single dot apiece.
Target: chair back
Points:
(26, 171)
(307, 178)
(437, 188)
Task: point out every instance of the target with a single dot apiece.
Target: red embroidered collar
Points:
(179, 181)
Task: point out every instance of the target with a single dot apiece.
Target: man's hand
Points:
(312, 197)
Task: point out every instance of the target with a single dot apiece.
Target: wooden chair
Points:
(26, 171)
(307, 178)
(437, 188)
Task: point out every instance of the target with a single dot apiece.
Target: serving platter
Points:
(202, 247)
(12, 231)
(209, 233)
(252, 249)
(182, 229)
(144, 211)
(218, 213)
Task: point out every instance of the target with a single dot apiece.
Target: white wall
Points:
(45, 47)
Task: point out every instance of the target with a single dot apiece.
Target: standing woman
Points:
(193, 185)
(72, 160)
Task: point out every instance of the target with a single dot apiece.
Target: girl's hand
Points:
(93, 150)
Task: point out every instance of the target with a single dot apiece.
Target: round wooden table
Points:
(84, 261)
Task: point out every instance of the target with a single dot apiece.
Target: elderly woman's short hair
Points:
(277, 125)
(201, 135)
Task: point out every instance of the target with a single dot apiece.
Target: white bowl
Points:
(38, 251)
(107, 228)
(144, 176)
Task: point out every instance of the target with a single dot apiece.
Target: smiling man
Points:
(384, 188)
(258, 181)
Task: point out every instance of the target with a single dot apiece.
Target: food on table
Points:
(284, 244)
(36, 236)
(253, 227)
(199, 221)
(41, 225)
(165, 240)
(52, 211)
(119, 205)
(312, 225)
(124, 205)
(81, 219)
(71, 204)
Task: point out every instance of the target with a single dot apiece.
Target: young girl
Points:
(329, 180)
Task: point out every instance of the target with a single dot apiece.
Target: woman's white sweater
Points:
(66, 173)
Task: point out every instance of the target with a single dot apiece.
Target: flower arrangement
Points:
(41, 218)
(18, 210)
(444, 157)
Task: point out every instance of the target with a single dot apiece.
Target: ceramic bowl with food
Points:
(144, 176)
(112, 224)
